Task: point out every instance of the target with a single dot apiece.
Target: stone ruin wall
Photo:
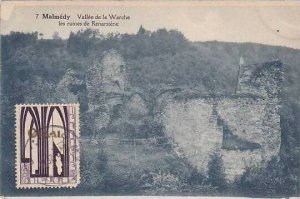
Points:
(251, 116)
(226, 123)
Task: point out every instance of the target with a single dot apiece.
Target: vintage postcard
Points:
(150, 98)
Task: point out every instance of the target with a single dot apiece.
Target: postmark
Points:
(47, 145)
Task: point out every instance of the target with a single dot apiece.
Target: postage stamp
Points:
(47, 145)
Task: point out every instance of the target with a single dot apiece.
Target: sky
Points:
(273, 22)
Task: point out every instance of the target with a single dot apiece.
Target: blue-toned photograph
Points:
(150, 99)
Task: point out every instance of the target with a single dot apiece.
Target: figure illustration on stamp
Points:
(58, 164)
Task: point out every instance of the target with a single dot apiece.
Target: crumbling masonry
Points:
(243, 127)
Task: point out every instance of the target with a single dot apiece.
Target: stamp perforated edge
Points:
(17, 149)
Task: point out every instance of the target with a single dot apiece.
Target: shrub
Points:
(197, 178)
(93, 170)
(270, 181)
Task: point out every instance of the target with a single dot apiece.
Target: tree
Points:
(94, 86)
(142, 30)
(62, 90)
(82, 41)
(42, 93)
(216, 171)
(56, 36)
(94, 82)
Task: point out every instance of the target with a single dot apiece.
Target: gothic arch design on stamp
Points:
(47, 145)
